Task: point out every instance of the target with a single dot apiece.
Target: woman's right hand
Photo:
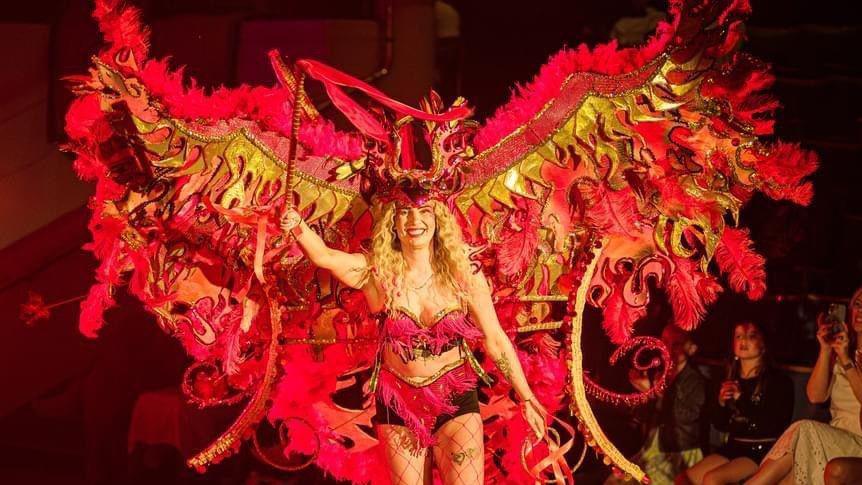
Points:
(639, 380)
(729, 390)
(290, 220)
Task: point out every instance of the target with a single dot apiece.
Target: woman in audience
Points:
(754, 405)
(801, 454)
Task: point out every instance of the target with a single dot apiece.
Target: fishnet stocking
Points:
(460, 452)
(408, 462)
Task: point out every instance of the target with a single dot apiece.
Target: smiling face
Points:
(399, 229)
(415, 226)
(748, 341)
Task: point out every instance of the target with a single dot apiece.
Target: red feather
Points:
(744, 267)
(93, 308)
(518, 244)
(744, 88)
(614, 212)
(83, 114)
(690, 291)
(122, 29)
(782, 172)
(620, 317)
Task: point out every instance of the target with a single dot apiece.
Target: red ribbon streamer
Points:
(364, 120)
(556, 459)
(259, 217)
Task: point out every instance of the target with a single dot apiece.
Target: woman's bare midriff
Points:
(421, 366)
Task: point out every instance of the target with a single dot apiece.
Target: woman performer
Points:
(431, 304)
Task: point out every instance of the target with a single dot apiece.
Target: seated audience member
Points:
(801, 454)
(754, 405)
(676, 438)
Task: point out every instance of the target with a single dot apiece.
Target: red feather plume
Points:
(518, 242)
(122, 29)
(690, 291)
(93, 308)
(745, 268)
(613, 212)
(620, 317)
(784, 169)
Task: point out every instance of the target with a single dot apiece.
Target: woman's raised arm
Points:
(817, 388)
(349, 268)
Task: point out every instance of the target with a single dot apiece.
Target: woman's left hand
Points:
(536, 416)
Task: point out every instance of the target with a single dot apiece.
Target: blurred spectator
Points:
(754, 404)
(676, 440)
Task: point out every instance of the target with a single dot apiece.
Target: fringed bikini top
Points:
(408, 337)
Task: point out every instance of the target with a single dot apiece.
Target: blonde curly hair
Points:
(449, 258)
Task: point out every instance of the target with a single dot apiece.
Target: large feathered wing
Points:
(643, 158)
(189, 189)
